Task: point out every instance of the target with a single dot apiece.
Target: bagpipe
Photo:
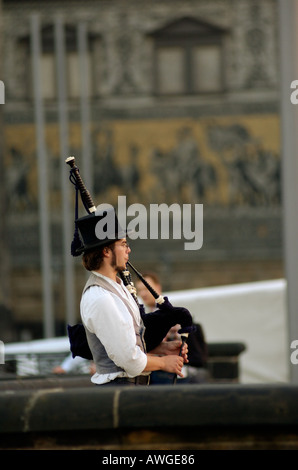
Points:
(157, 323)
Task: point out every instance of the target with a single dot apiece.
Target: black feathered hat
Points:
(95, 231)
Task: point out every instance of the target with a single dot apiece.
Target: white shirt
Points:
(105, 315)
(76, 364)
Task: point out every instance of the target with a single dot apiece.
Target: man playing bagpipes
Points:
(125, 343)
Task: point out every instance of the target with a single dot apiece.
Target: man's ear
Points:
(106, 251)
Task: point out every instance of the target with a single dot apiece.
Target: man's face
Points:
(120, 254)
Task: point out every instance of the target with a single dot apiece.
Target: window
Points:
(206, 68)
(170, 62)
(73, 75)
(188, 58)
(48, 77)
(72, 67)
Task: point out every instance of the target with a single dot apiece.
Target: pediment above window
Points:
(187, 26)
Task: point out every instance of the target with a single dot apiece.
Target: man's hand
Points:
(167, 348)
(174, 347)
(170, 359)
(172, 364)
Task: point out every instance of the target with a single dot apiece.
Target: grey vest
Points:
(104, 365)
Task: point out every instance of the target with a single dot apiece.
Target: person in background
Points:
(76, 365)
(147, 298)
(195, 371)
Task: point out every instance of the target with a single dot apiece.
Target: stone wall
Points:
(213, 417)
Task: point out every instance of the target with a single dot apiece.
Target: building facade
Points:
(161, 102)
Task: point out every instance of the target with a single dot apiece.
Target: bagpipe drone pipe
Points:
(157, 323)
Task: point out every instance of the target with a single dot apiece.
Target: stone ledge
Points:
(64, 409)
